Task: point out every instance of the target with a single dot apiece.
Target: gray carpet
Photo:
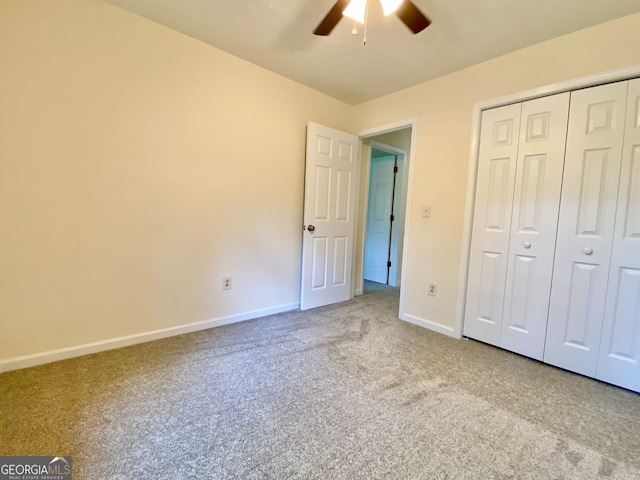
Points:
(340, 392)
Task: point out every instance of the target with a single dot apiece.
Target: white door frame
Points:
(407, 180)
(478, 108)
(399, 202)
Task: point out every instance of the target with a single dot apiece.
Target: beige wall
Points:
(139, 166)
(444, 111)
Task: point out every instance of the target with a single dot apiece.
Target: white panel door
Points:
(378, 231)
(619, 358)
(543, 129)
(491, 223)
(585, 228)
(331, 172)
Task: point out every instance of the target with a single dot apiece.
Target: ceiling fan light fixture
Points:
(356, 10)
(407, 12)
(390, 6)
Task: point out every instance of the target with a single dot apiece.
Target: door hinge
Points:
(393, 217)
(389, 264)
(395, 169)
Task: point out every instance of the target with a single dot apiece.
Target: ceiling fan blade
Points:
(412, 17)
(332, 18)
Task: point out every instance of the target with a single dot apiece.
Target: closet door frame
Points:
(478, 108)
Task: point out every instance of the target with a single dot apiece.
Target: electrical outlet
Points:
(433, 289)
(426, 211)
(226, 282)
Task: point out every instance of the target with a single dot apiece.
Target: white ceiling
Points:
(277, 35)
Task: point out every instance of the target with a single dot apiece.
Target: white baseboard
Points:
(357, 292)
(25, 361)
(429, 325)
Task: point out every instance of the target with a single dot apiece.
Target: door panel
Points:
(524, 270)
(319, 263)
(585, 228)
(499, 194)
(490, 275)
(323, 184)
(491, 223)
(591, 203)
(343, 196)
(340, 261)
(580, 303)
(330, 186)
(534, 222)
(619, 356)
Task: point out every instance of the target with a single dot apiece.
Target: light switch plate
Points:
(426, 211)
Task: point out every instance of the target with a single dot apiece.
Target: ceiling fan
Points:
(413, 18)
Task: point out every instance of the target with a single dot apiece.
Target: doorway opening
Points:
(384, 186)
(380, 239)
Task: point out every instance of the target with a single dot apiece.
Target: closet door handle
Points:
(526, 245)
(587, 251)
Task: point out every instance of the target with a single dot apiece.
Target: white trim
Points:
(362, 216)
(405, 247)
(560, 87)
(354, 233)
(25, 361)
(388, 127)
(436, 327)
(387, 148)
(357, 292)
(465, 251)
(566, 86)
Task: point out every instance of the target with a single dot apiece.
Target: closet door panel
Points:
(619, 358)
(534, 222)
(585, 227)
(491, 223)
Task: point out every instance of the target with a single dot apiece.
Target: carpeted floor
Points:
(340, 392)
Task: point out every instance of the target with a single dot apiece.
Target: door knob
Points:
(311, 228)
(526, 245)
(587, 250)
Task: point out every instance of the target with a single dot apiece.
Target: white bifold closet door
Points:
(585, 227)
(518, 191)
(619, 357)
(499, 136)
(533, 224)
